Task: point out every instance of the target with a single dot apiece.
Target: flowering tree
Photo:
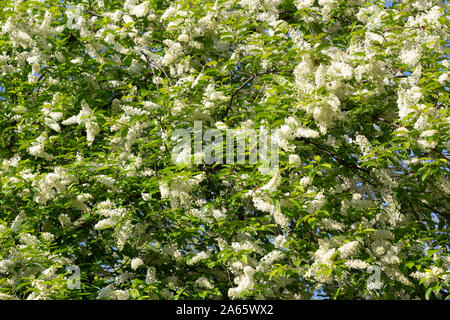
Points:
(355, 95)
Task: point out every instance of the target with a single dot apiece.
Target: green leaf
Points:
(427, 293)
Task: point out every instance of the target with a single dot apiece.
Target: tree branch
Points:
(398, 127)
(253, 76)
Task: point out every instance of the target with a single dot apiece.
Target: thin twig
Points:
(389, 122)
(149, 62)
(343, 162)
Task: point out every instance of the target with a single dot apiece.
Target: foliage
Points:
(356, 91)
